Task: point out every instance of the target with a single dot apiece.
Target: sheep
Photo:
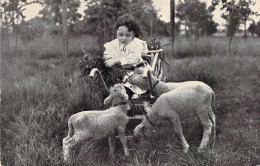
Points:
(159, 87)
(174, 102)
(96, 125)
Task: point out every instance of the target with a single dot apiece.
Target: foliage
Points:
(252, 28)
(52, 12)
(29, 31)
(258, 29)
(13, 11)
(236, 12)
(102, 23)
(94, 59)
(232, 16)
(245, 12)
(233, 22)
(102, 15)
(146, 16)
(11, 14)
(196, 17)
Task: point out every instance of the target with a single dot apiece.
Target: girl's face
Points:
(124, 36)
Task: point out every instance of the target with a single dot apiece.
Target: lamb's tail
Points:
(71, 129)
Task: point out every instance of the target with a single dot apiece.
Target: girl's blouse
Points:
(130, 54)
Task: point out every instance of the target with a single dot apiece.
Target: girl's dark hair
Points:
(128, 21)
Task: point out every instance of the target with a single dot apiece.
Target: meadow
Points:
(37, 99)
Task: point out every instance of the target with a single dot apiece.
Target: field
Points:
(37, 99)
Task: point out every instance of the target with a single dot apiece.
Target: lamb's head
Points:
(117, 95)
(137, 78)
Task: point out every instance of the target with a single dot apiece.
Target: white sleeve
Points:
(108, 53)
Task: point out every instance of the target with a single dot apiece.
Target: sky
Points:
(163, 7)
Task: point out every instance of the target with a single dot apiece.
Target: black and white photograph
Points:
(130, 83)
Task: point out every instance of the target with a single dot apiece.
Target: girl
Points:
(126, 49)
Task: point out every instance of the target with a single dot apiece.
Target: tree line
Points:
(194, 16)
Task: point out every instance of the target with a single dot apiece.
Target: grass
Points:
(207, 46)
(37, 100)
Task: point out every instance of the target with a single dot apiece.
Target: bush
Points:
(94, 59)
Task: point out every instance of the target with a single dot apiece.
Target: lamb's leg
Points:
(65, 149)
(123, 139)
(178, 130)
(69, 143)
(207, 126)
(112, 144)
(213, 119)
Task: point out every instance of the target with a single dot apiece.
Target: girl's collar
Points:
(122, 45)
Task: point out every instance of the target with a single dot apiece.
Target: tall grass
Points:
(207, 46)
(37, 100)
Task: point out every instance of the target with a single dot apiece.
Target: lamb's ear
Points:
(149, 68)
(108, 100)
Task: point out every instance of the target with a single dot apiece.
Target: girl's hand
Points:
(112, 62)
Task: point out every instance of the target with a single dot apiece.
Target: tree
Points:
(196, 17)
(236, 12)
(172, 9)
(101, 15)
(245, 12)
(146, 15)
(257, 30)
(210, 26)
(252, 28)
(28, 30)
(11, 16)
(5, 26)
(231, 15)
(52, 12)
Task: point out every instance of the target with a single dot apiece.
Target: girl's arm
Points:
(108, 54)
(110, 58)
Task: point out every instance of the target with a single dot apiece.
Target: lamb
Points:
(139, 78)
(174, 102)
(96, 125)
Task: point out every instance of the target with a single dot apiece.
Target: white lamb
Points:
(139, 78)
(96, 125)
(175, 101)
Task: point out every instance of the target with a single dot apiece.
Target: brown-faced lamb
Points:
(96, 124)
(174, 102)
